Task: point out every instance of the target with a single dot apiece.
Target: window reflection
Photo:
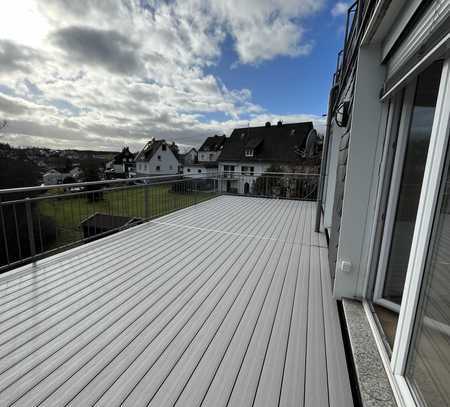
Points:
(428, 368)
(409, 193)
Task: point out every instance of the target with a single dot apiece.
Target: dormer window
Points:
(164, 147)
(249, 152)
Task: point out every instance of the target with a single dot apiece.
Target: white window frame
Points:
(397, 171)
(424, 222)
(432, 179)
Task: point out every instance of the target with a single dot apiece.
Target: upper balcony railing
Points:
(38, 221)
(358, 14)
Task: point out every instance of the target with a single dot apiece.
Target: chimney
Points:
(268, 124)
(280, 123)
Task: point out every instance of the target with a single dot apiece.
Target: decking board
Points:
(225, 303)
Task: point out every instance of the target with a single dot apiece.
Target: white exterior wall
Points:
(191, 156)
(53, 178)
(331, 175)
(198, 171)
(168, 164)
(240, 180)
(117, 167)
(208, 156)
(358, 204)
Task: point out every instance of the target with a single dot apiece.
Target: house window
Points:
(227, 169)
(249, 152)
(158, 168)
(247, 170)
(159, 157)
(188, 170)
(164, 147)
(211, 157)
(199, 170)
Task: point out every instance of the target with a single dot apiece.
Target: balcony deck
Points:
(227, 302)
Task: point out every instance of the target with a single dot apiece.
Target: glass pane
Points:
(411, 182)
(428, 367)
(410, 186)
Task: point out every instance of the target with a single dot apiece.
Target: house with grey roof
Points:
(251, 151)
(206, 163)
(122, 163)
(211, 149)
(157, 158)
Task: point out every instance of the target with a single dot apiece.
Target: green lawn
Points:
(68, 212)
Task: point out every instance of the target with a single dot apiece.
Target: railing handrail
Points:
(86, 183)
(149, 178)
(270, 173)
(85, 192)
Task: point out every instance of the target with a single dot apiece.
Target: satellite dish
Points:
(312, 140)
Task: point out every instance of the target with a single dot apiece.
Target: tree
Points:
(13, 217)
(69, 180)
(90, 169)
(269, 184)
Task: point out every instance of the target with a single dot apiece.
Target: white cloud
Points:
(340, 8)
(111, 72)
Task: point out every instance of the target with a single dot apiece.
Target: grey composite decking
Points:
(224, 303)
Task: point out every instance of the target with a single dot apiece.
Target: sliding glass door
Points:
(413, 138)
(411, 296)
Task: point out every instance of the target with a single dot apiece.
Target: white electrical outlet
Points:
(346, 266)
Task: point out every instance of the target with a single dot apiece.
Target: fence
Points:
(38, 221)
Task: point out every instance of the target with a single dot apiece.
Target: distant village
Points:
(248, 151)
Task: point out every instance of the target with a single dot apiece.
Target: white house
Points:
(122, 163)
(211, 149)
(157, 158)
(251, 151)
(54, 177)
(200, 170)
(205, 162)
(76, 172)
(188, 158)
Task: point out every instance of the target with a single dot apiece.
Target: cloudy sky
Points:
(101, 74)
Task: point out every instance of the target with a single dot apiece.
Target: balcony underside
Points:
(227, 302)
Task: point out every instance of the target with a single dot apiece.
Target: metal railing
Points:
(38, 221)
(281, 185)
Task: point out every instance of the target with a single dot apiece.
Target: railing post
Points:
(146, 214)
(5, 239)
(30, 227)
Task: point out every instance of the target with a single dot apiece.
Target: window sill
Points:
(371, 378)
